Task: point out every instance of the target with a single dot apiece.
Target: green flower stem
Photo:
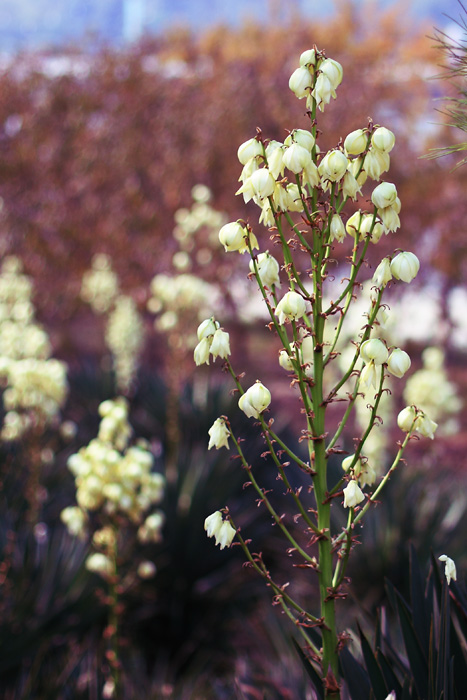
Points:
(344, 553)
(353, 275)
(303, 384)
(303, 465)
(297, 232)
(303, 197)
(366, 335)
(292, 273)
(345, 417)
(377, 491)
(277, 519)
(278, 328)
(297, 500)
(317, 445)
(286, 601)
(346, 306)
(372, 420)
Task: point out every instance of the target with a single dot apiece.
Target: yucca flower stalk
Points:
(308, 319)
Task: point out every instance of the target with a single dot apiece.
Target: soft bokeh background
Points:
(109, 117)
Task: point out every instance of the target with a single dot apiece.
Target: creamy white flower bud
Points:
(376, 163)
(383, 273)
(232, 236)
(220, 346)
(356, 168)
(225, 535)
(311, 175)
(296, 158)
(300, 82)
(333, 70)
(371, 225)
(255, 400)
(219, 434)
(268, 269)
(308, 58)
(207, 328)
(384, 195)
(292, 307)
(354, 223)
(362, 471)
(353, 495)
(213, 523)
(267, 215)
(449, 568)
(250, 167)
(249, 149)
(285, 361)
(390, 218)
(350, 186)
(201, 352)
(383, 139)
(406, 418)
(293, 194)
(374, 350)
(399, 362)
(337, 229)
(425, 426)
(369, 376)
(261, 184)
(323, 91)
(275, 159)
(347, 462)
(405, 266)
(355, 142)
(333, 166)
(302, 137)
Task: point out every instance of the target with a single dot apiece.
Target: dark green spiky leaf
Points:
(355, 676)
(420, 614)
(390, 676)
(377, 679)
(418, 663)
(406, 694)
(442, 666)
(310, 670)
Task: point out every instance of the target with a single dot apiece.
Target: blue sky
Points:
(38, 23)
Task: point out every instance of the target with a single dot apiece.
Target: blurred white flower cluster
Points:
(99, 286)
(115, 479)
(35, 385)
(125, 337)
(124, 331)
(431, 390)
(175, 298)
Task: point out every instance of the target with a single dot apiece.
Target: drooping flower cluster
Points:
(35, 385)
(212, 341)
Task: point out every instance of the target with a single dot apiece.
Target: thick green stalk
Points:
(327, 603)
